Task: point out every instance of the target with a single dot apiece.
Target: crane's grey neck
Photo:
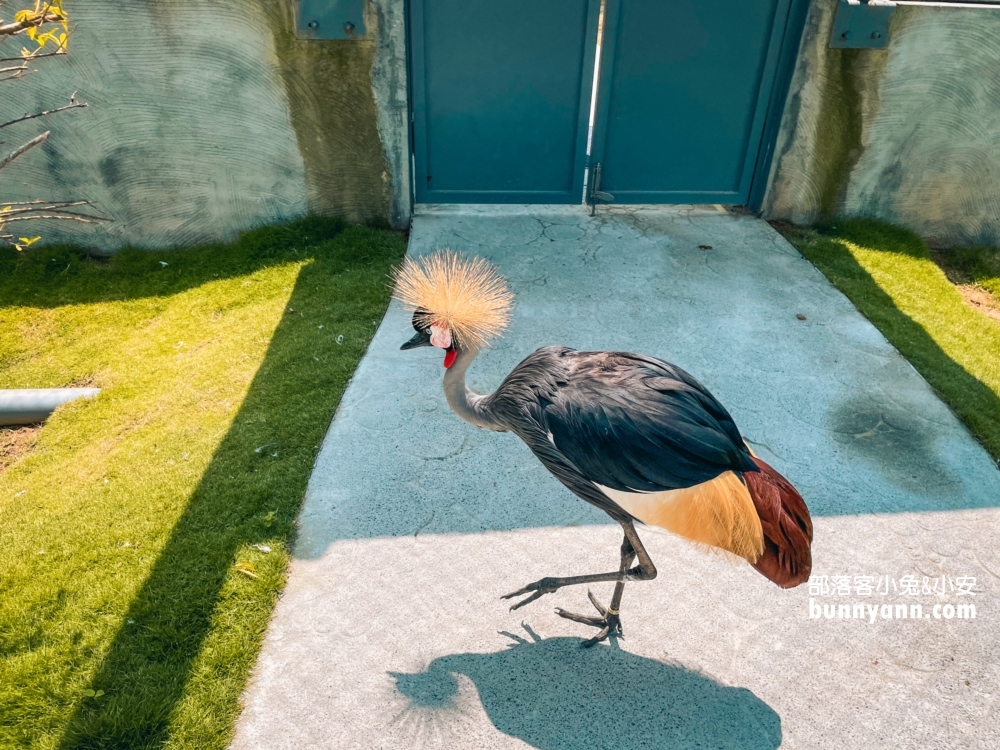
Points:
(466, 404)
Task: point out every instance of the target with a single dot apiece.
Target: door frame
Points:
(416, 81)
(752, 166)
(789, 53)
(791, 41)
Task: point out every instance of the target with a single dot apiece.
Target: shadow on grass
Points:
(176, 632)
(54, 275)
(896, 442)
(555, 695)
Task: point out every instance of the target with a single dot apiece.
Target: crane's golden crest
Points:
(468, 296)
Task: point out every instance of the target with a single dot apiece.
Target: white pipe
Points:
(30, 405)
(931, 4)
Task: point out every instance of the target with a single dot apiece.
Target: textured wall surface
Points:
(207, 117)
(908, 134)
(389, 85)
(328, 85)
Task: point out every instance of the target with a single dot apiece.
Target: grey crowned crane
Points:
(636, 436)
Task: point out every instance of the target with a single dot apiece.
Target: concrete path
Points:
(391, 633)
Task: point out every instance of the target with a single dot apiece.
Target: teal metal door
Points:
(683, 98)
(501, 93)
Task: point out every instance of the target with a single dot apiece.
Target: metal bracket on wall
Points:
(330, 19)
(862, 24)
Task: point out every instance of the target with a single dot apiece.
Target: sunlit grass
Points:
(144, 535)
(888, 273)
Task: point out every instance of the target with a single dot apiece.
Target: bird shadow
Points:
(555, 695)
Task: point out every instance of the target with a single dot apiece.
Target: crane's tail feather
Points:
(784, 518)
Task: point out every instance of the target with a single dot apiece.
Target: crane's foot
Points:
(538, 588)
(609, 622)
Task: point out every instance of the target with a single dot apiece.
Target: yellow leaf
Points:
(29, 242)
(246, 569)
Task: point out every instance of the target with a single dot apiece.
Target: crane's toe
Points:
(609, 622)
(540, 587)
(597, 622)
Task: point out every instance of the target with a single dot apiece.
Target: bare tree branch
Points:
(72, 105)
(18, 72)
(81, 218)
(45, 16)
(34, 56)
(41, 209)
(39, 201)
(32, 23)
(21, 149)
(56, 207)
(29, 211)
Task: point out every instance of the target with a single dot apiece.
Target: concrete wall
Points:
(209, 116)
(910, 134)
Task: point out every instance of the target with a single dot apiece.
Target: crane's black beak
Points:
(421, 338)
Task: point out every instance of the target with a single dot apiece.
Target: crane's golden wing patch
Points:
(719, 513)
(466, 295)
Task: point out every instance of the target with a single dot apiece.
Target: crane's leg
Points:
(644, 571)
(609, 622)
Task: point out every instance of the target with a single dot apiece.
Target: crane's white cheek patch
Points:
(440, 337)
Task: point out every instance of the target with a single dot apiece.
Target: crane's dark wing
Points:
(635, 423)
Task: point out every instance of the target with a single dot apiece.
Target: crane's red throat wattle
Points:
(449, 357)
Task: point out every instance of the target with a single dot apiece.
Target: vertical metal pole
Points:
(595, 186)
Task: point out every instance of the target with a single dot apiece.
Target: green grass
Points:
(976, 265)
(128, 534)
(888, 273)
